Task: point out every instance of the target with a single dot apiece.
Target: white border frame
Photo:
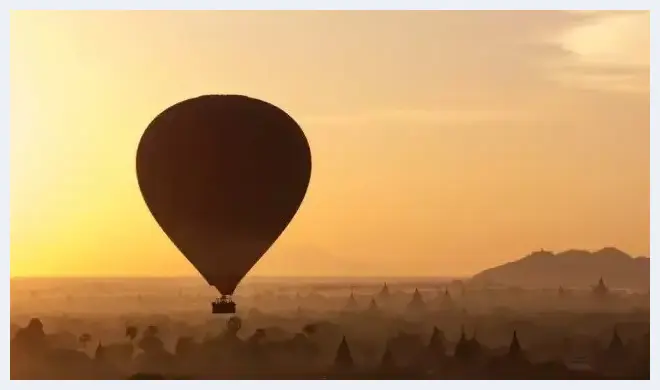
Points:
(318, 5)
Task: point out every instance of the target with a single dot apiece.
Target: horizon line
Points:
(245, 279)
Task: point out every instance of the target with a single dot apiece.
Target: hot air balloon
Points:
(223, 175)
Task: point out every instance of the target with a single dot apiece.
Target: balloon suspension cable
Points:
(224, 298)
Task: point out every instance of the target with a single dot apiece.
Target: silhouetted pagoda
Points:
(461, 351)
(474, 345)
(515, 350)
(99, 353)
(467, 349)
(387, 362)
(513, 364)
(351, 304)
(416, 304)
(614, 359)
(601, 289)
(446, 301)
(436, 345)
(299, 344)
(616, 346)
(343, 358)
(298, 299)
(384, 293)
(373, 307)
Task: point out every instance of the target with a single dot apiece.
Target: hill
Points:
(571, 269)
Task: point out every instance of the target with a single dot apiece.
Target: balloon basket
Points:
(223, 305)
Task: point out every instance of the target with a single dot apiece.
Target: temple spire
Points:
(384, 293)
(343, 358)
(417, 302)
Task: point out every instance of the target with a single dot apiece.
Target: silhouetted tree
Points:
(150, 342)
(31, 339)
(131, 332)
(151, 330)
(84, 339)
(309, 329)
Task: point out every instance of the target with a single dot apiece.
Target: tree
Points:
(152, 331)
(84, 339)
(131, 332)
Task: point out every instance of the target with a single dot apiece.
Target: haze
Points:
(442, 142)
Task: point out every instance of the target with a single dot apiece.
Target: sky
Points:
(443, 142)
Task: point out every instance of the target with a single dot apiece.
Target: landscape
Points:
(323, 328)
(311, 195)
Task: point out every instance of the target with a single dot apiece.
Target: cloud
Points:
(607, 50)
(486, 67)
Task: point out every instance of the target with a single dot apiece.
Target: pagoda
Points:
(601, 289)
(417, 304)
(384, 293)
(343, 358)
(351, 304)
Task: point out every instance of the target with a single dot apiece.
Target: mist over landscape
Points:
(299, 325)
(426, 195)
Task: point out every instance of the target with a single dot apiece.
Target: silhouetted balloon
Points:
(223, 175)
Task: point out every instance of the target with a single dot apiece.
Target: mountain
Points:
(571, 269)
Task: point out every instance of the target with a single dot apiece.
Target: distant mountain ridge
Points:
(571, 269)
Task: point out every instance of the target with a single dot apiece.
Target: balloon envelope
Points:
(223, 175)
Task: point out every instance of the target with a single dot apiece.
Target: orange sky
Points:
(442, 142)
